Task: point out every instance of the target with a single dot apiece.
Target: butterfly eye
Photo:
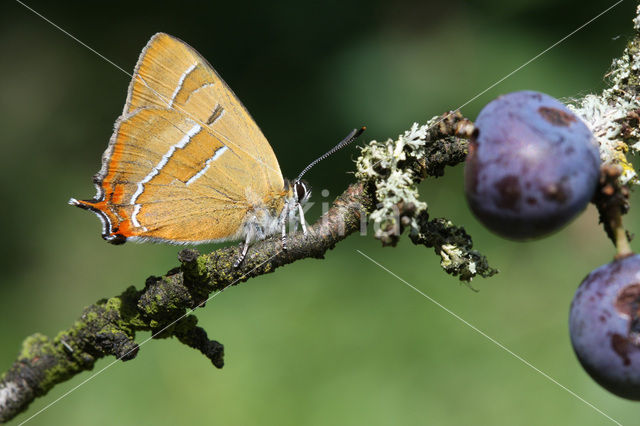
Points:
(301, 191)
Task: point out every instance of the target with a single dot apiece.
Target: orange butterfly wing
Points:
(186, 161)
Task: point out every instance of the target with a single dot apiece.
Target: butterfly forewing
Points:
(186, 159)
(171, 74)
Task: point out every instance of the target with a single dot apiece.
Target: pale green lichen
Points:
(388, 165)
(394, 168)
(613, 114)
(455, 248)
(450, 253)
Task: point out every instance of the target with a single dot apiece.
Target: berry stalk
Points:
(612, 201)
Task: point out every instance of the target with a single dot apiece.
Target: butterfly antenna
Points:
(344, 142)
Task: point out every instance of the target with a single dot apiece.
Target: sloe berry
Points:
(532, 166)
(604, 324)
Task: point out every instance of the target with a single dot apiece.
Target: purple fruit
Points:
(532, 165)
(604, 324)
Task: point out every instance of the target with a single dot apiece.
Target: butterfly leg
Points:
(283, 221)
(302, 221)
(243, 253)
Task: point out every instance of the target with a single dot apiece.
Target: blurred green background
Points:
(338, 341)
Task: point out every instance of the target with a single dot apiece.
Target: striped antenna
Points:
(344, 142)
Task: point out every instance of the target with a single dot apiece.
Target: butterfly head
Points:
(298, 192)
(301, 191)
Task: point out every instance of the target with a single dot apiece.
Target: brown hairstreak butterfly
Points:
(186, 163)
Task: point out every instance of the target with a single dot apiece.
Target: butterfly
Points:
(187, 164)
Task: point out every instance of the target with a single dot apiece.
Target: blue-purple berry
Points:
(532, 166)
(604, 324)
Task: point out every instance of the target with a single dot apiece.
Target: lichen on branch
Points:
(396, 167)
(614, 114)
